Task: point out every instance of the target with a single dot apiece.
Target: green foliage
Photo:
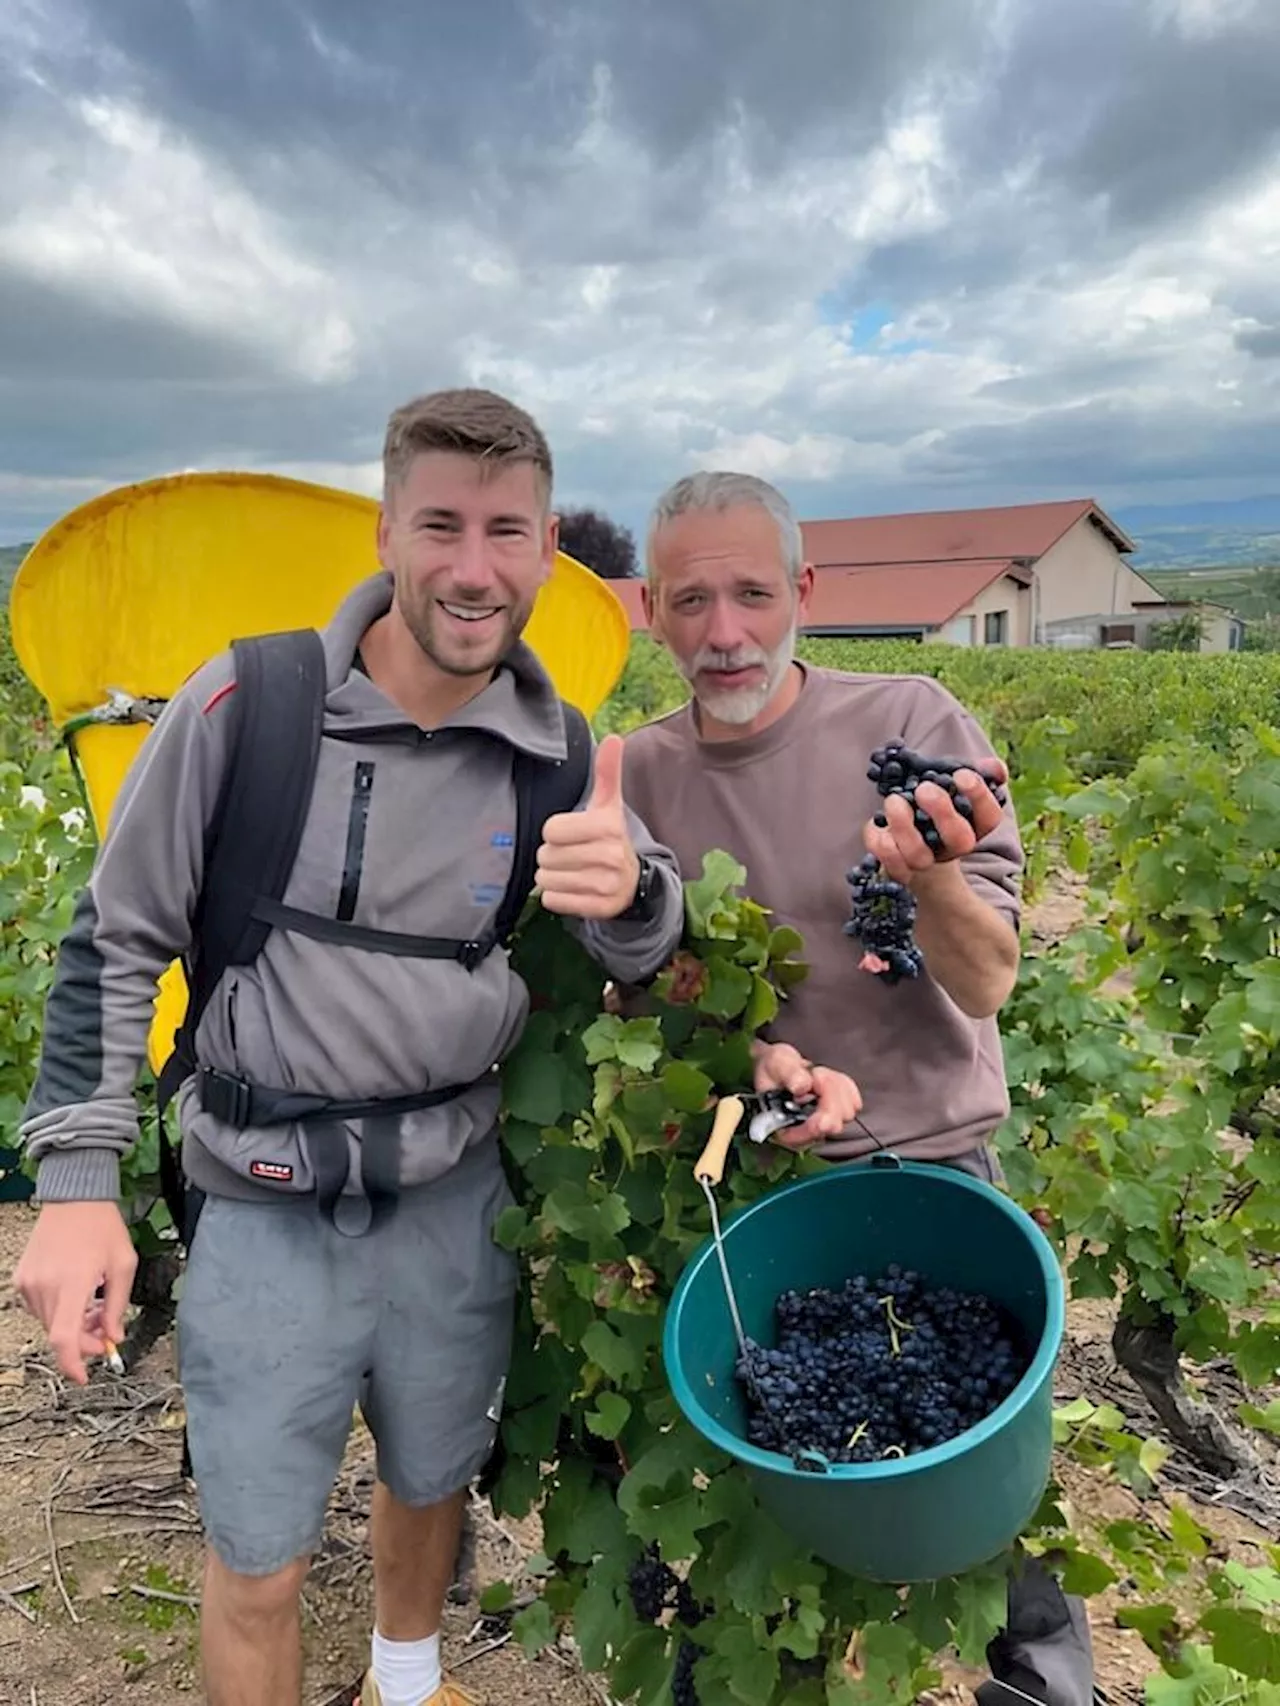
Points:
(1120, 1099)
(1179, 634)
(45, 854)
(1116, 704)
(1130, 1048)
(606, 1113)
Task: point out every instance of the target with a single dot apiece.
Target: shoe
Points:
(448, 1694)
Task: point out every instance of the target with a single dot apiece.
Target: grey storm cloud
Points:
(887, 254)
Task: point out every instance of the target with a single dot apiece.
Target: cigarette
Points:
(115, 1362)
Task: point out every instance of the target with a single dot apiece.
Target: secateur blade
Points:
(775, 1110)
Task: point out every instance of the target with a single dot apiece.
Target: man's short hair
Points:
(719, 489)
(470, 422)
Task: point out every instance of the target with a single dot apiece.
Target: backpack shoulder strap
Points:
(542, 789)
(252, 840)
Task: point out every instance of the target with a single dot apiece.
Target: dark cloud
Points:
(1262, 341)
(1119, 102)
(1112, 443)
(52, 335)
(239, 235)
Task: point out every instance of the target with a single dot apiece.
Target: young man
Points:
(768, 760)
(290, 1315)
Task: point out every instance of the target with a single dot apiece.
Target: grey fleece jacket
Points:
(319, 1017)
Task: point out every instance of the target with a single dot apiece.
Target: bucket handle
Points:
(710, 1165)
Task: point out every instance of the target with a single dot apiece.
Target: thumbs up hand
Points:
(587, 866)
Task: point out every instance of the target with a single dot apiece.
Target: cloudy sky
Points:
(896, 254)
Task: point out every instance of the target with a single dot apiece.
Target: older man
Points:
(768, 759)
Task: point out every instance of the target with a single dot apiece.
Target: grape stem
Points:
(896, 1325)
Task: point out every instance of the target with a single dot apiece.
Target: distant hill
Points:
(1209, 535)
(10, 557)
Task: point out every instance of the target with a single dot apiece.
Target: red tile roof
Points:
(629, 592)
(919, 570)
(950, 536)
(899, 595)
(902, 595)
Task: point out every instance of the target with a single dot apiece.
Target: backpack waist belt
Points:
(239, 1103)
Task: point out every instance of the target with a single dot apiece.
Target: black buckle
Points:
(226, 1097)
(470, 954)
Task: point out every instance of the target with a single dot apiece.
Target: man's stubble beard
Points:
(420, 624)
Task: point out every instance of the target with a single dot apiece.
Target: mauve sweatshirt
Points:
(791, 803)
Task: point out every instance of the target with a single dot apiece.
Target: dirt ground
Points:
(95, 1472)
(100, 1550)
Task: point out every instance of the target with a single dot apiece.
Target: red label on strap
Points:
(276, 1170)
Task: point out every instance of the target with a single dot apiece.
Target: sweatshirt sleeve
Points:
(633, 951)
(133, 918)
(942, 727)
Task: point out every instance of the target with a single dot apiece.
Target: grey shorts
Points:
(285, 1325)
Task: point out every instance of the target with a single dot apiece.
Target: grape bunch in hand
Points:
(936, 810)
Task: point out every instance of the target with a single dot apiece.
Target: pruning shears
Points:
(766, 1112)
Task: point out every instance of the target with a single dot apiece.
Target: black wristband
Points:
(643, 906)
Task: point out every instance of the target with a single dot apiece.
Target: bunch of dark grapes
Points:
(654, 1586)
(683, 1691)
(883, 920)
(880, 1367)
(883, 912)
(651, 1583)
(895, 769)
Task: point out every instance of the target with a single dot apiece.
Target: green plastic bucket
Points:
(938, 1512)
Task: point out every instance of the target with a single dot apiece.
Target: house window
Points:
(995, 628)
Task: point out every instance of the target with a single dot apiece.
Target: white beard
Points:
(741, 705)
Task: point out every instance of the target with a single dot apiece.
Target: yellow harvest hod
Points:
(124, 597)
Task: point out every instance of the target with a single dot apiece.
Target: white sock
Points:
(407, 1672)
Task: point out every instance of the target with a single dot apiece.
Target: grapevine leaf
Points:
(784, 942)
(705, 896)
(1186, 1533)
(534, 1627)
(599, 1621)
(1261, 1586)
(801, 1634)
(496, 1596)
(1085, 1574)
(620, 1358)
(673, 1521)
(510, 1226)
(531, 1432)
(752, 1670)
(762, 1004)
(519, 1484)
(1257, 1353)
(685, 1087)
(642, 1668)
(1266, 1416)
(982, 1607)
(521, 1141)
(891, 1657)
(932, 1609)
(569, 1208)
(1243, 1640)
(610, 1415)
(581, 1517)
(1157, 1624)
(728, 987)
(534, 1086)
(747, 1571)
(640, 1044)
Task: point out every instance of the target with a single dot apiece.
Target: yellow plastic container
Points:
(134, 590)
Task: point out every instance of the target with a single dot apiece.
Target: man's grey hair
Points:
(718, 490)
